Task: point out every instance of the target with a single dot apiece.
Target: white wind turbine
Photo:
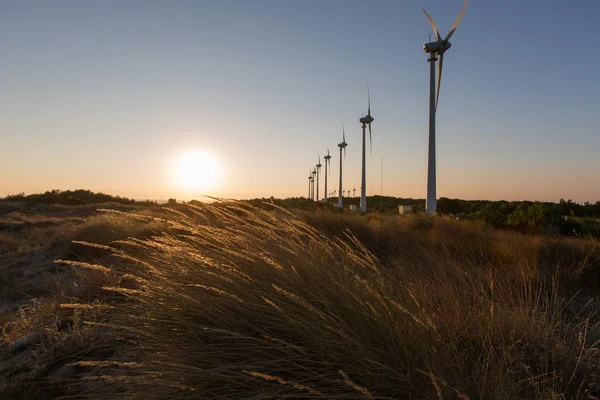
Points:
(439, 47)
(309, 184)
(342, 146)
(366, 120)
(327, 161)
(318, 173)
(314, 172)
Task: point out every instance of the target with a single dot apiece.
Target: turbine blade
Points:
(456, 22)
(370, 141)
(439, 80)
(369, 97)
(343, 133)
(435, 29)
(344, 154)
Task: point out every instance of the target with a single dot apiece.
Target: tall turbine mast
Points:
(318, 173)
(312, 185)
(438, 47)
(366, 120)
(314, 172)
(342, 146)
(327, 161)
(309, 184)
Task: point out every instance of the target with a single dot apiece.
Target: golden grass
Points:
(259, 304)
(234, 302)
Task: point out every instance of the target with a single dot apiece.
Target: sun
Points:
(196, 170)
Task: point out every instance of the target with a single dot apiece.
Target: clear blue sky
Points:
(104, 95)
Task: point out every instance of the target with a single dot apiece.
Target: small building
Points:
(404, 209)
(353, 207)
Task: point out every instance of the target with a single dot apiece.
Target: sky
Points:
(107, 95)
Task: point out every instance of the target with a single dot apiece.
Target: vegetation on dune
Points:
(233, 301)
(566, 218)
(71, 197)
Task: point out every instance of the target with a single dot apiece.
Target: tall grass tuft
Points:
(237, 302)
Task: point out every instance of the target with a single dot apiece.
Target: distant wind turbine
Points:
(309, 184)
(439, 47)
(314, 172)
(354, 191)
(327, 161)
(366, 120)
(342, 146)
(318, 173)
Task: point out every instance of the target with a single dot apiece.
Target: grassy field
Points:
(228, 301)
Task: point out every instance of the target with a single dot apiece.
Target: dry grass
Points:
(41, 340)
(237, 302)
(32, 237)
(233, 302)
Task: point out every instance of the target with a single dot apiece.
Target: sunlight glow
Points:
(196, 170)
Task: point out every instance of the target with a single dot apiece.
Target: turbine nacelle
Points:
(367, 119)
(439, 47)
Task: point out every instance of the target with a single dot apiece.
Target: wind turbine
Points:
(327, 161)
(314, 172)
(342, 146)
(366, 120)
(354, 191)
(318, 173)
(439, 47)
(309, 184)
(311, 180)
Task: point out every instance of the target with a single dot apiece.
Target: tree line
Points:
(566, 217)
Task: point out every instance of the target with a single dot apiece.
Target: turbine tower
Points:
(314, 172)
(354, 191)
(309, 184)
(342, 146)
(437, 48)
(318, 173)
(366, 120)
(327, 161)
